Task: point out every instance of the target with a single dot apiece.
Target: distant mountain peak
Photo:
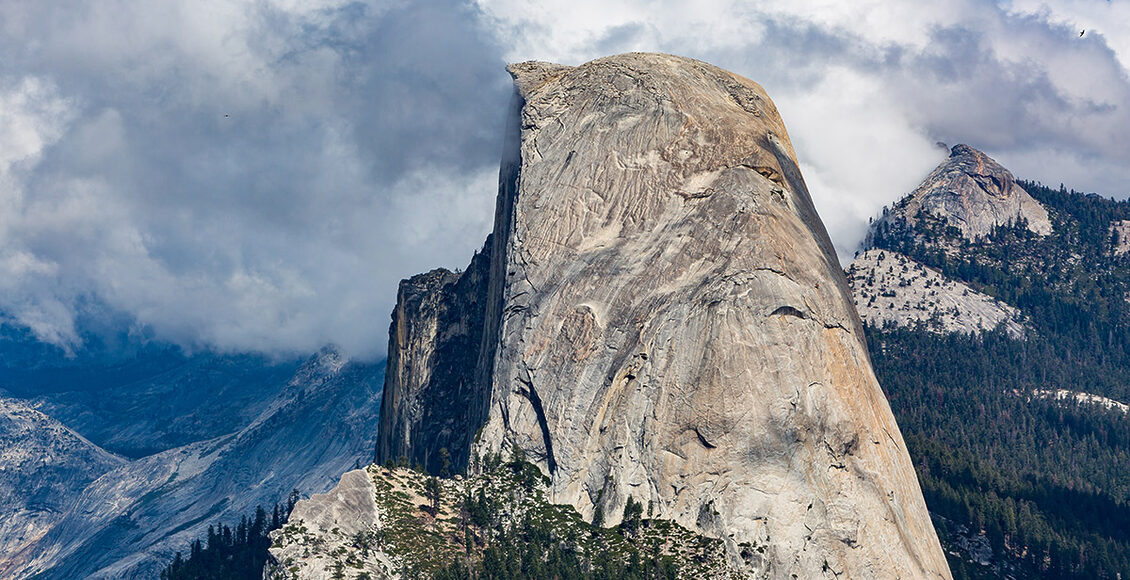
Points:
(975, 194)
(963, 150)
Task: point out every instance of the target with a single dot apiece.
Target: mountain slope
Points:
(890, 288)
(130, 522)
(199, 397)
(383, 523)
(136, 399)
(43, 467)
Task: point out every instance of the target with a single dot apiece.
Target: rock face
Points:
(435, 338)
(890, 288)
(665, 319)
(347, 512)
(975, 194)
(1120, 237)
(1080, 398)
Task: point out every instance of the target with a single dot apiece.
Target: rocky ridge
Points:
(890, 288)
(973, 193)
(665, 319)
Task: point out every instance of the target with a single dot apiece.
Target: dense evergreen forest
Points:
(225, 554)
(1045, 479)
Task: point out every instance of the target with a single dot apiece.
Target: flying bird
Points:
(1082, 32)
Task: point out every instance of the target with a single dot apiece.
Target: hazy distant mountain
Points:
(43, 467)
(131, 520)
(210, 437)
(136, 399)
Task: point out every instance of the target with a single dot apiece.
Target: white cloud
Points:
(32, 116)
(867, 88)
(258, 175)
(240, 175)
(857, 143)
(1103, 23)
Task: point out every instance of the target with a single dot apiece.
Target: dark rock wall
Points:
(443, 340)
(434, 340)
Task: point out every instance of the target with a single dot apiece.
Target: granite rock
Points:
(890, 288)
(43, 467)
(975, 194)
(434, 338)
(1120, 237)
(665, 319)
(339, 519)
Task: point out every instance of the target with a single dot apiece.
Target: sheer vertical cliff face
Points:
(433, 351)
(665, 319)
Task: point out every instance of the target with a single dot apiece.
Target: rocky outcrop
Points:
(665, 319)
(1078, 398)
(975, 194)
(343, 520)
(890, 288)
(1120, 237)
(43, 467)
(384, 523)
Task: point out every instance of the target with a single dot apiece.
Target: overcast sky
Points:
(259, 174)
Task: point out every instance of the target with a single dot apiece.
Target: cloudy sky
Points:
(259, 174)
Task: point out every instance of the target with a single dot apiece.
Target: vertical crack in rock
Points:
(535, 401)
